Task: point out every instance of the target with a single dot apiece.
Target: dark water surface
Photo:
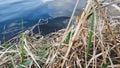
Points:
(12, 12)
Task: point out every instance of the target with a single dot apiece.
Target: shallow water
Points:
(12, 12)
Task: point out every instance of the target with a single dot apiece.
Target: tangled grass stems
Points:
(102, 50)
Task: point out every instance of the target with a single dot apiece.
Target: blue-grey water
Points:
(12, 12)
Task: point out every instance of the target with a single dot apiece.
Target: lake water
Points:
(12, 12)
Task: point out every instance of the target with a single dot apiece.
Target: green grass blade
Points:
(67, 38)
(22, 44)
(4, 37)
(66, 41)
(90, 36)
(105, 65)
(24, 64)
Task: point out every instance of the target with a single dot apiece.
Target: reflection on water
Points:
(12, 12)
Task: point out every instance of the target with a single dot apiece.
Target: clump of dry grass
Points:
(104, 46)
(92, 40)
(35, 52)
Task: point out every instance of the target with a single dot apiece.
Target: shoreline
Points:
(31, 30)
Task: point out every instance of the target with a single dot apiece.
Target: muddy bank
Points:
(42, 28)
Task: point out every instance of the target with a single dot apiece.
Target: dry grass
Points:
(71, 50)
(104, 47)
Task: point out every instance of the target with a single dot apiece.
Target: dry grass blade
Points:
(5, 51)
(29, 52)
(69, 23)
(109, 4)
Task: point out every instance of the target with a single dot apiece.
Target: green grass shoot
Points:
(22, 43)
(4, 37)
(43, 51)
(24, 64)
(105, 65)
(66, 41)
(90, 36)
(67, 38)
